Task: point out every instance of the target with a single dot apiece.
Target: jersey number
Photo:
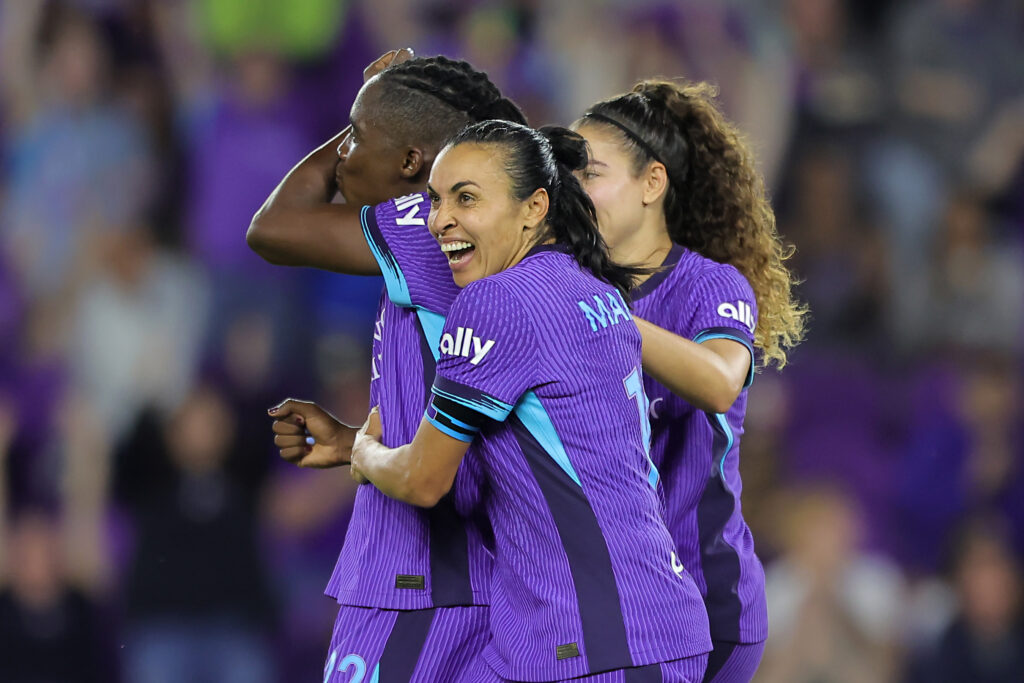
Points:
(350, 662)
(635, 390)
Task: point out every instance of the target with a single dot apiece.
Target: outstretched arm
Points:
(299, 226)
(419, 473)
(709, 376)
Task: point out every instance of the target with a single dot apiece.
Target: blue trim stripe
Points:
(728, 333)
(531, 413)
(444, 429)
(394, 280)
(653, 476)
(432, 325)
(730, 440)
(480, 402)
(454, 420)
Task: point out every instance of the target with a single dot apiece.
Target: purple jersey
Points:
(395, 555)
(541, 363)
(697, 453)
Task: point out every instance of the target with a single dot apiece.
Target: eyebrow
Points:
(595, 162)
(458, 186)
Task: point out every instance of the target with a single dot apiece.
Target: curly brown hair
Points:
(716, 203)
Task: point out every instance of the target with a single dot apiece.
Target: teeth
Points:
(455, 246)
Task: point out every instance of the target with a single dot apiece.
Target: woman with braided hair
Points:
(412, 584)
(676, 190)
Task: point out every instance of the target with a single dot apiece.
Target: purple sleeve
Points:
(488, 353)
(415, 271)
(724, 307)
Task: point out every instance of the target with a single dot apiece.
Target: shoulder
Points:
(700, 294)
(698, 281)
(494, 293)
(408, 210)
(529, 278)
(695, 270)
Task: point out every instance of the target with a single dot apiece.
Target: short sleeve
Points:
(724, 308)
(487, 359)
(415, 271)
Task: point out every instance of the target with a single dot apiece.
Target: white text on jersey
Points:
(740, 312)
(412, 203)
(605, 314)
(462, 342)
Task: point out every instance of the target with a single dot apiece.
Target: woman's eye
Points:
(589, 175)
(464, 198)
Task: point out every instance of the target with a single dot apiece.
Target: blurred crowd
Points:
(147, 530)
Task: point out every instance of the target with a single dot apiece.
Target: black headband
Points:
(629, 133)
(635, 137)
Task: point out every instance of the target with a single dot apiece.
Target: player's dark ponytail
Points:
(547, 159)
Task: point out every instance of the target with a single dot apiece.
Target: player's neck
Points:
(647, 247)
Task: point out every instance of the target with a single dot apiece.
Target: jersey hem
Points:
(390, 602)
(693, 647)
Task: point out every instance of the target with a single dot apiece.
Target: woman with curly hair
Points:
(676, 191)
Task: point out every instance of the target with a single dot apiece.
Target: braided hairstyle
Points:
(715, 203)
(428, 99)
(547, 158)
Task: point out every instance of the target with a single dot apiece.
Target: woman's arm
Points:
(308, 436)
(299, 226)
(709, 376)
(419, 473)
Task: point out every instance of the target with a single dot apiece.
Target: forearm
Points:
(299, 226)
(687, 369)
(402, 473)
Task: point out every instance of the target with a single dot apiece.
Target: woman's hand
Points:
(369, 433)
(386, 60)
(308, 436)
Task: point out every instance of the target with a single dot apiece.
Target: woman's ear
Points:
(655, 179)
(535, 209)
(413, 162)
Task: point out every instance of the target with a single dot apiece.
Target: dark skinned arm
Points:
(308, 436)
(709, 376)
(299, 226)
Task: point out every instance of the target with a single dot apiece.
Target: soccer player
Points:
(539, 370)
(676, 189)
(412, 584)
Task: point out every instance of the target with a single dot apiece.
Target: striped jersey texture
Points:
(395, 555)
(697, 453)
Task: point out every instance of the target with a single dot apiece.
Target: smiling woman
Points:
(538, 380)
(493, 196)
